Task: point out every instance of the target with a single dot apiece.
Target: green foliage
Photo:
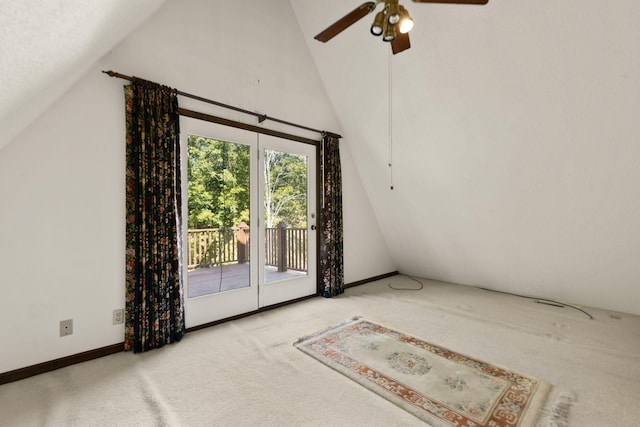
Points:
(285, 189)
(219, 185)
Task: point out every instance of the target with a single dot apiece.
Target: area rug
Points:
(439, 386)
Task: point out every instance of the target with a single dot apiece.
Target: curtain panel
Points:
(154, 295)
(331, 268)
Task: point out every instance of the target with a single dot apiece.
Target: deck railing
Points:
(213, 246)
(285, 248)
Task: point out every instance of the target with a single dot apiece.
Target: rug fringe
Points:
(558, 414)
(354, 319)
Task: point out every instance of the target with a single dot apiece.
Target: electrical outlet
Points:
(66, 327)
(118, 316)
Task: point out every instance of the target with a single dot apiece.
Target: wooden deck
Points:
(205, 281)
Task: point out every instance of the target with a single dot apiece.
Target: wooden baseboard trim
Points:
(52, 365)
(371, 279)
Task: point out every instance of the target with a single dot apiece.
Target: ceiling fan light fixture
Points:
(389, 33)
(393, 12)
(377, 28)
(406, 23)
(393, 23)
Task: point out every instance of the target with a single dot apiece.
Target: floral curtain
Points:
(331, 246)
(154, 298)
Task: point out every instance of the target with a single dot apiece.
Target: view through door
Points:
(249, 233)
(287, 203)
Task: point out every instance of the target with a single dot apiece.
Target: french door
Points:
(249, 213)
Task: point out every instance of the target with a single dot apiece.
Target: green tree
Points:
(218, 183)
(285, 181)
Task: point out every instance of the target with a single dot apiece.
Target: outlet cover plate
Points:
(66, 327)
(118, 316)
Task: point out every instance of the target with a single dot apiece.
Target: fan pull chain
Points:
(390, 125)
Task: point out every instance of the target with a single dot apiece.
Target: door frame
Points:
(200, 320)
(228, 303)
(271, 293)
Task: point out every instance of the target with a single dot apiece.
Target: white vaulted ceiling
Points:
(47, 45)
(514, 142)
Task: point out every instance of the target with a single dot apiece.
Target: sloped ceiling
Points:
(45, 46)
(513, 143)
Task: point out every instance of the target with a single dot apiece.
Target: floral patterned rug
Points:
(437, 385)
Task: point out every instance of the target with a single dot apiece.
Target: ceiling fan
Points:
(393, 22)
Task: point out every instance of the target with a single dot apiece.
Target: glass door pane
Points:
(285, 215)
(218, 216)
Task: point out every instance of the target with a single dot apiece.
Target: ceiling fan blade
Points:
(453, 1)
(400, 43)
(346, 21)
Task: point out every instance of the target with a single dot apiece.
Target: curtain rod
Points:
(244, 126)
(261, 117)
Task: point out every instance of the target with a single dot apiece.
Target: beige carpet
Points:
(248, 373)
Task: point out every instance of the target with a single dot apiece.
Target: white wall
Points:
(515, 142)
(62, 179)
